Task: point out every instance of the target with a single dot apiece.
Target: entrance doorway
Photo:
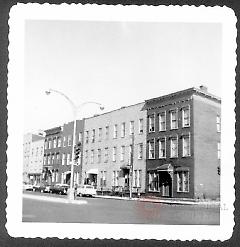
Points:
(165, 184)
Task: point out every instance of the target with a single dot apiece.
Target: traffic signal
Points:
(77, 151)
(218, 170)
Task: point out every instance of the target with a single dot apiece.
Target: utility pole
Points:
(131, 167)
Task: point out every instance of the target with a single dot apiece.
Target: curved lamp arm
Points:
(64, 95)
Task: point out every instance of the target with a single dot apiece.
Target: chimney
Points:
(203, 88)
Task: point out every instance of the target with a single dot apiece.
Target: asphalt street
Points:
(99, 210)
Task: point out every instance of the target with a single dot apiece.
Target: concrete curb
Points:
(54, 199)
(164, 201)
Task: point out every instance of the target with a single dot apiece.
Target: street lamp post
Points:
(75, 109)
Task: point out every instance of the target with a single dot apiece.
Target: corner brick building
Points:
(183, 145)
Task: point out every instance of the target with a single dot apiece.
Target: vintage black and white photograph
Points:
(121, 123)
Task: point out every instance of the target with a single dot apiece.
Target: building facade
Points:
(109, 141)
(33, 158)
(52, 151)
(66, 153)
(183, 145)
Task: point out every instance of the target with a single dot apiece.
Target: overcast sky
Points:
(114, 63)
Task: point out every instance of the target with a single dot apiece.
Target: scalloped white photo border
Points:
(188, 14)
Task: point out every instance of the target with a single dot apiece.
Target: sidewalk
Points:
(184, 201)
(54, 199)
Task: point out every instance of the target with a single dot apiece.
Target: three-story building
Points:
(183, 144)
(109, 141)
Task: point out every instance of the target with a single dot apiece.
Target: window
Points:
(44, 160)
(46, 145)
(64, 141)
(123, 130)
(131, 128)
(151, 123)
(115, 131)
(122, 153)
(114, 153)
(140, 126)
(218, 122)
(153, 179)
(99, 134)
(174, 119)
(162, 148)
(139, 178)
(59, 142)
(151, 149)
(49, 144)
(185, 117)
(80, 137)
(107, 132)
(87, 136)
(130, 151)
(49, 159)
(92, 156)
(183, 181)
(53, 158)
(115, 178)
(93, 135)
(219, 150)
(54, 142)
(69, 140)
(99, 155)
(162, 121)
(134, 178)
(63, 159)
(86, 156)
(68, 159)
(106, 155)
(186, 145)
(103, 178)
(140, 151)
(174, 147)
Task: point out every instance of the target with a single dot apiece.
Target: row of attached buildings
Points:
(167, 146)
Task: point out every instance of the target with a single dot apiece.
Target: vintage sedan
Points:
(59, 189)
(27, 186)
(86, 190)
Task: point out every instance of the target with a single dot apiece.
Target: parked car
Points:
(86, 190)
(41, 188)
(27, 186)
(59, 189)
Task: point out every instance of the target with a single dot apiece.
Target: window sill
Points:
(186, 156)
(175, 157)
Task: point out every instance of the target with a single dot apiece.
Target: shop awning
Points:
(92, 171)
(181, 169)
(165, 168)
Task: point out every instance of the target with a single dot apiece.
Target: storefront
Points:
(160, 180)
(91, 177)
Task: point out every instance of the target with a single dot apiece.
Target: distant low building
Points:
(33, 158)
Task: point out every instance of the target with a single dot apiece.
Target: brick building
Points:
(183, 144)
(107, 147)
(52, 151)
(66, 152)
